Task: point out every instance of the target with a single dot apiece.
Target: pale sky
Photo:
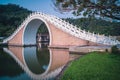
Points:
(45, 6)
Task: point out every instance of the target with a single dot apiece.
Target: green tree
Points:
(11, 16)
(105, 8)
(96, 25)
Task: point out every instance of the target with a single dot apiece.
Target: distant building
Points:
(43, 37)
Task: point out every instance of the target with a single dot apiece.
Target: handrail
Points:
(70, 29)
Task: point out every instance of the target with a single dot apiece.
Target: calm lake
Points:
(31, 63)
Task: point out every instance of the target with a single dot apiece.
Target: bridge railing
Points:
(70, 29)
(73, 30)
(65, 26)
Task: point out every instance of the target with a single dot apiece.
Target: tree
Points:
(104, 8)
(96, 25)
(11, 16)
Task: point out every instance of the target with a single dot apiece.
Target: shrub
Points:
(115, 50)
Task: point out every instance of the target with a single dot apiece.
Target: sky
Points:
(45, 6)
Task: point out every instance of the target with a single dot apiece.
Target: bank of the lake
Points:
(94, 66)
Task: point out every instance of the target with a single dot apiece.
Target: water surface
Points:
(29, 63)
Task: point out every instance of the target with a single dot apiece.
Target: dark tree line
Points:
(97, 25)
(11, 16)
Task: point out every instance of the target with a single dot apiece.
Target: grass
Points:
(94, 66)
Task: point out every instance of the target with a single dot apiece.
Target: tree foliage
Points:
(97, 25)
(105, 8)
(11, 16)
(115, 50)
(42, 29)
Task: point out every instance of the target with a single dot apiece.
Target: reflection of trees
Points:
(37, 62)
(43, 56)
(8, 66)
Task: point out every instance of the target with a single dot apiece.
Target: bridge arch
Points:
(31, 28)
(61, 33)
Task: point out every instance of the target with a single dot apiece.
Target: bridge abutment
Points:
(17, 39)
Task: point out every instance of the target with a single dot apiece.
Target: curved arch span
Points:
(61, 33)
(30, 31)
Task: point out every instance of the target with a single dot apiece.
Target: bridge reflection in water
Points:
(39, 63)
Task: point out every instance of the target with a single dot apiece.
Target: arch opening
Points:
(36, 61)
(33, 35)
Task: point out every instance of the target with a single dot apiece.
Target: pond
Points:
(35, 62)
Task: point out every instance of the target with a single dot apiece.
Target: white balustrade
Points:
(70, 29)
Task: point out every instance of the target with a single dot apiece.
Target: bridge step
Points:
(86, 49)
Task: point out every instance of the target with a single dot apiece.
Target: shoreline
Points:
(58, 77)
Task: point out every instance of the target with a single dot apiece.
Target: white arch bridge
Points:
(61, 33)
